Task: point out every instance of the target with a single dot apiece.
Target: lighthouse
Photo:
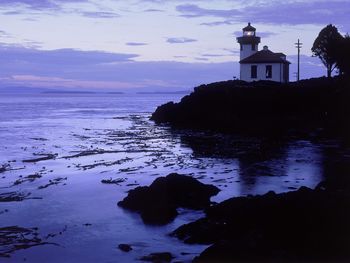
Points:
(260, 65)
(249, 42)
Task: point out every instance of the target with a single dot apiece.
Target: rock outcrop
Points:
(158, 202)
(304, 225)
(261, 107)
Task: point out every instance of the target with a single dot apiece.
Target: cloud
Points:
(39, 4)
(69, 68)
(56, 82)
(52, 6)
(4, 34)
(303, 13)
(100, 14)
(190, 11)
(201, 59)
(152, 10)
(266, 34)
(217, 23)
(136, 44)
(103, 71)
(215, 55)
(11, 13)
(291, 12)
(180, 40)
(61, 57)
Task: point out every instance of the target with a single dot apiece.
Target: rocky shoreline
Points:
(304, 225)
(301, 225)
(262, 107)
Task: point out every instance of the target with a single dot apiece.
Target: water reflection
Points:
(264, 164)
(335, 163)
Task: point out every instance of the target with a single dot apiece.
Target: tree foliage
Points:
(326, 47)
(343, 56)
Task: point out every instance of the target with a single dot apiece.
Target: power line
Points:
(298, 46)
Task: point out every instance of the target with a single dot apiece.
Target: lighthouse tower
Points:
(249, 42)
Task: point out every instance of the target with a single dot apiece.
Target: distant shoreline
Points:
(36, 92)
(165, 92)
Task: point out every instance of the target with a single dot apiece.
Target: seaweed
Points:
(13, 238)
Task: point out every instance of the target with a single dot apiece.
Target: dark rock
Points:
(113, 181)
(157, 203)
(262, 107)
(125, 247)
(4, 168)
(164, 112)
(56, 181)
(14, 238)
(304, 225)
(13, 196)
(158, 257)
(44, 158)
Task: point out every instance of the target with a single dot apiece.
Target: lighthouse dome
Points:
(249, 30)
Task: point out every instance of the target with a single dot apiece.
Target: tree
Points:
(326, 47)
(343, 56)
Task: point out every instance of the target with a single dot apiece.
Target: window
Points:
(254, 72)
(253, 47)
(241, 47)
(268, 71)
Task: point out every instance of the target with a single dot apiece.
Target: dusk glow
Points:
(149, 44)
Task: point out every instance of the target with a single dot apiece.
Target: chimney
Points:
(266, 48)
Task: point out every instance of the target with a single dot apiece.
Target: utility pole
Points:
(298, 46)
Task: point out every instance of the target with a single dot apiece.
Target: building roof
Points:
(249, 28)
(265, 56)
(280, 54)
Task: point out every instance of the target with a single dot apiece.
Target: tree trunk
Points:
(329, 71)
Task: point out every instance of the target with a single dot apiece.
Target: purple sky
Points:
(151, 44)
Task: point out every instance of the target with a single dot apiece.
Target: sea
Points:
(56, 149)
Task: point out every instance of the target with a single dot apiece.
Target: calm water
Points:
(96, 137)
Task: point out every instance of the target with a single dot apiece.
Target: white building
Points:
(260, 65)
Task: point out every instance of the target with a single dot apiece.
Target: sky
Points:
(153, 45)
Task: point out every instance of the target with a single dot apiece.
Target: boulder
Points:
(158, 257)
(125, 247)
(158, 202)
